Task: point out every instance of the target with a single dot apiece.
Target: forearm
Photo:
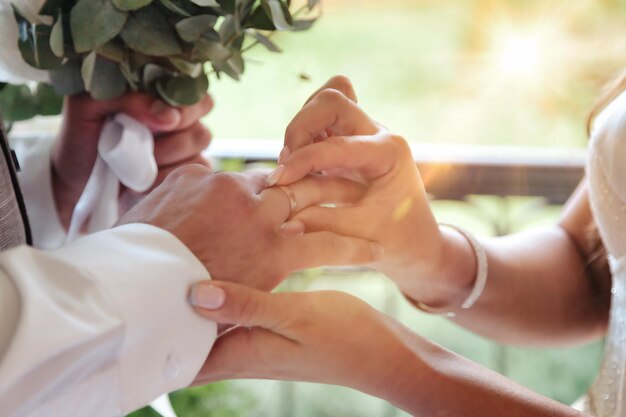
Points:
(431, 381)
(537, 290)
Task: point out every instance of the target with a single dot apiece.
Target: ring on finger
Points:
(293, 203)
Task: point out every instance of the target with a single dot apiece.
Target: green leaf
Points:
(52, 7)
(233, 67)
(229, 30)
(49, 103)
(112, 51)
(205, 50)
(148, 31)
(302, 25)
(228, 6)
(264, 40)
(88, 68)
(57, 41)
(94, 23)
(2, 85)
(206, 3)
(103, 79)
(183, 90)
(66, 80)
(129, 5)
(177, 7)
(34, 43)
(261, 19)
(17, 103)
(193, 69)
(279, 14)
(193, 28)
(153, 73)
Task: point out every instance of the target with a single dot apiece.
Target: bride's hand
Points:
(394, 211)
(327, 337)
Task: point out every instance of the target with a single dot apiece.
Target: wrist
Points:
(452, 275)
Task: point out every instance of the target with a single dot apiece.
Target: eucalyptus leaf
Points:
(57, 40)
(88, 68)
(95, 22)
(49, 103)
(103, 79)
(229, 29)
(193, 69)
(130, 5)
(228, 6)
(261, 19)
(206, 3)
(183, 90)
(148, 31)
(303, 24)
(132, 77)
(17, 103)
(153, 73)
(52, 7)
(34, 43)
(265, 41)
(233, 67)
(193, 28)
(205, 50)
(279, 16)
(177, 7)
(67, 80)
(112, 51)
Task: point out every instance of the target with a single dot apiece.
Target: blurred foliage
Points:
(213, 400)
(23, 102)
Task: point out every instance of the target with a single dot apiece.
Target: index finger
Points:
(329, 111)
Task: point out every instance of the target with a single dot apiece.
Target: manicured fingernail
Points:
(207, 296)
(275, 175)
(165, 114)
(294, 228)
(284, 154)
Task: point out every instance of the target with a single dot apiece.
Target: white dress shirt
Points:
(97, 328)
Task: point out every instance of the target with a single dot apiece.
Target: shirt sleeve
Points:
(100, 327)
(35, 177)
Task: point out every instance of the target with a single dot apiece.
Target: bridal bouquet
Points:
(165, 47)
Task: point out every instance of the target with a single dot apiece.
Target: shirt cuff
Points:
(147, 273)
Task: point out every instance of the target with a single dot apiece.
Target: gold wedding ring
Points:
(293, 203)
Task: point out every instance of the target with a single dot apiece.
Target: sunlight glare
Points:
(519, 55)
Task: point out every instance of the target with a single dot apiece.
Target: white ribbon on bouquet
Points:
(125, 156)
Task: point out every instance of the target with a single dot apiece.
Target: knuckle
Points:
(190, 171)
(202, 136)
(398, 144)
(342, 83)
(332, 96)
(249, 310)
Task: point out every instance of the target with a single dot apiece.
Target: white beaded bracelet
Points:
(481, 274)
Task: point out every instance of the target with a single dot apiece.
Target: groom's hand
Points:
(231, 222)
(179, 138)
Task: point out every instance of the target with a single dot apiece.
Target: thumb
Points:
(229, 303)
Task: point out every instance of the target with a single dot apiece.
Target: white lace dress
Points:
(606, 170)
